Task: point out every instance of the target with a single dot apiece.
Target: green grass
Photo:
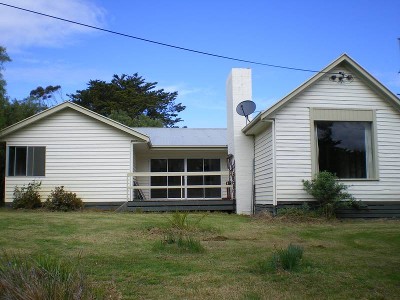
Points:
(179, 243)
(342, 260)
(45, 277)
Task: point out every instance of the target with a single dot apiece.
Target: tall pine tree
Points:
(131, 100)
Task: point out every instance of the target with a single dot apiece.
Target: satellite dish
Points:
(246, 108)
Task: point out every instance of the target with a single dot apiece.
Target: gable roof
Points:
(78, 108)
(256, 124)
(185, 137)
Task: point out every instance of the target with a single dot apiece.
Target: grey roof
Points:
(175, 137)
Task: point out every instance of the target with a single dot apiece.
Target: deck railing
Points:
(133, 184)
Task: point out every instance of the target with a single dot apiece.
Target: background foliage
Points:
(131, 100)
(127, 99)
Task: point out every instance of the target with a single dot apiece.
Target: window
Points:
(204, 165)
(344, 143)
(345, 148)
(167, 165)
(26, 161)
(182, 165)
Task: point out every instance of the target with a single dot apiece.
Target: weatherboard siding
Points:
(263, 172)
(293, 140)
(84, 155)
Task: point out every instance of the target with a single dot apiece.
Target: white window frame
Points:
(349, 115)
(184, 178)
(27, 160)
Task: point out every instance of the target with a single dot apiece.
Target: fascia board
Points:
(64, 105)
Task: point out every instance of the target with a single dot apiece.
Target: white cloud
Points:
(19, 29)
(181, 89)
(196, 98)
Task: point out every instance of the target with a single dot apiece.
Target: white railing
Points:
(132, 178)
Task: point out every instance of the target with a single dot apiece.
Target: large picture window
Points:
(345, 148)
(26, 161)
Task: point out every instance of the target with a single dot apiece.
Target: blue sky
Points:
(302, 34)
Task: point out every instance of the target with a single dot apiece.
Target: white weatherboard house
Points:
(341, 120)
(106, 163)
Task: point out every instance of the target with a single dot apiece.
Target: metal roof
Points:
(186, 137)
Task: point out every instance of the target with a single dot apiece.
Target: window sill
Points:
(358, 179)
(22, 176)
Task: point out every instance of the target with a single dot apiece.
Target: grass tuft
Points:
(180, 221)
(289, 258)
(283, 259)
(179, 243)
(45, 277)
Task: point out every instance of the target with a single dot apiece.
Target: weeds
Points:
(282, 259)
(178, 236)
(180, 221)
(302, 213)
(179, 243)
(45, 277)
(289, 258)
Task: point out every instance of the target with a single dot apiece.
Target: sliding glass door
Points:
(170, 166)
(176, 185)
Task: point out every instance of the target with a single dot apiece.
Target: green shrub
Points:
(44, 277)
(61, 200)
(329, 193)
(27, 196)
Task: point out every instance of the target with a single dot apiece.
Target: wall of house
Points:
(143, 162)
(293, 140)
(263, 172)
(84, 155)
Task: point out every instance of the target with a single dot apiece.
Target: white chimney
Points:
(238, 89)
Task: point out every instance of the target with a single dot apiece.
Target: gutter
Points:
(193, 147)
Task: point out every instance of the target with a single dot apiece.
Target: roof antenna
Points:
(246, 108)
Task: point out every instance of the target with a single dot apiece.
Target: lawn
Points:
(342, 260)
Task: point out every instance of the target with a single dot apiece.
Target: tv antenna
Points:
(341, 77)
(246, 108)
